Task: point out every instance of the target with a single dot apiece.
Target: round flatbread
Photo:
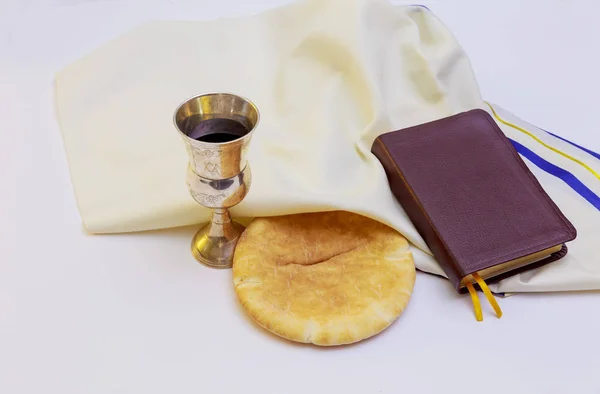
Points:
(328, 278)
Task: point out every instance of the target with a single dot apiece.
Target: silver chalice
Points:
(216, 129)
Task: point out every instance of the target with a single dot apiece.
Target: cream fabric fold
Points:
(327, 77)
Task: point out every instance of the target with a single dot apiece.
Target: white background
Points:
(136, 314)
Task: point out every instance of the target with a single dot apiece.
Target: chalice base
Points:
(214, 244)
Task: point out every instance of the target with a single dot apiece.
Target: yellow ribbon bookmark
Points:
(476, 304)
(488, 294)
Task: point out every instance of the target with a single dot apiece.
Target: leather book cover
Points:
(472, 198)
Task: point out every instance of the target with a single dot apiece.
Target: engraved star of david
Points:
(211, 167)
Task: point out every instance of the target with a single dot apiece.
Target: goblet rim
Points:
(216, 144)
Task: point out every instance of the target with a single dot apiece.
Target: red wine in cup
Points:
(218, 130)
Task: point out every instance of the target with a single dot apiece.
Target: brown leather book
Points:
(480, 210)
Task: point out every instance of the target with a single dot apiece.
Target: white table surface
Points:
(136, 314)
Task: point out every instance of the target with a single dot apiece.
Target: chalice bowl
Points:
(216, 129)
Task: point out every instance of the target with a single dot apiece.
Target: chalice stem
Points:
(221, 224)
(214, 245)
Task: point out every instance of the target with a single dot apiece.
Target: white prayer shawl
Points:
(327, 77)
